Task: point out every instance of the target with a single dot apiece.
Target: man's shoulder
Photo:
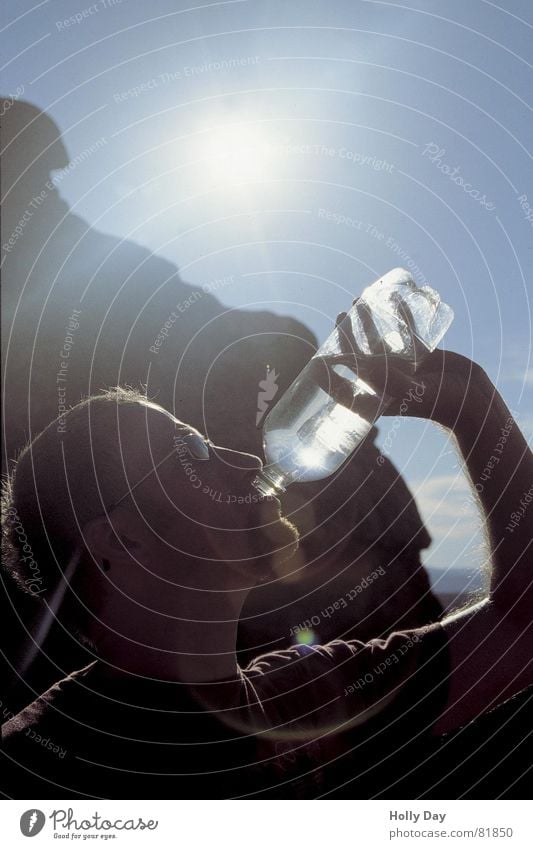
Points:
(300, 657)
(349, 677)
(44, 712)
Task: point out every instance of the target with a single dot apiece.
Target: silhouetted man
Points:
(84, 310)
(153, 536)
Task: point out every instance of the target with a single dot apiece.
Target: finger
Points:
(345, 335)
(411, 341)
(405, 313)
(390, 381)
(339, 388)
(346, 392)
(376, 343)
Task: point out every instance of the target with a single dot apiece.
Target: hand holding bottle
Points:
(379, 361)
(434, 389)
(361, 371)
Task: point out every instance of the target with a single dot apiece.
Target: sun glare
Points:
(236, 153)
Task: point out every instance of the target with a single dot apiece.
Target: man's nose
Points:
(238, 459)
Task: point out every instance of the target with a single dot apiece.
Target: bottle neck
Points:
(271, 480)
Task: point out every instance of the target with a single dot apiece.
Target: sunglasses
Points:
(197, 446)
(194, 444)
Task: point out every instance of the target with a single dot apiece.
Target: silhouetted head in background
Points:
(32, 149)
(137, 324)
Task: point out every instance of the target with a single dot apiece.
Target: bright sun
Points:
(236, 153)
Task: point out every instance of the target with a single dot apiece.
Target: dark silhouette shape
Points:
(361, 542)
(124, 316)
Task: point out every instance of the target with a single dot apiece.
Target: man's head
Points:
(145, 508)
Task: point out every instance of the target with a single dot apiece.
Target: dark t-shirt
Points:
(294, 723)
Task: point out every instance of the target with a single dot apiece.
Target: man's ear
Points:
(105, 539)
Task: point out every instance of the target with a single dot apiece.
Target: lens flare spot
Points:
(307, 637)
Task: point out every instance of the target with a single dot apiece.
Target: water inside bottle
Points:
(313, 434)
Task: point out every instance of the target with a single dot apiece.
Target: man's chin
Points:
(291, 533)
(274, 544)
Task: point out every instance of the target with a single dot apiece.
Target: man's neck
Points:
(196, 643)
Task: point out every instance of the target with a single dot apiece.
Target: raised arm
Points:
(490, 643)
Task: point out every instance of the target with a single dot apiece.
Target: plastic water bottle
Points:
(308, 434)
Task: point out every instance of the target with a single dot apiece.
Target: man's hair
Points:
(72, 472)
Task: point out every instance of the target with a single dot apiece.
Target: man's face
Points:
(199, 501)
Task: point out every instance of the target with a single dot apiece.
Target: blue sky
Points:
(305, 148)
